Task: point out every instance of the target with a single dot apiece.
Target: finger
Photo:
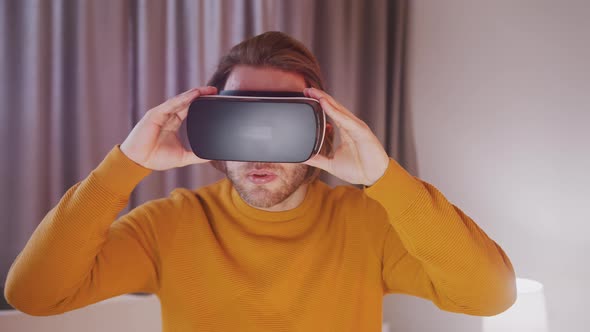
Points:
(315, 93)
(190, 158)
(319, 94)
(182, 114)
(319, 161)
(341, 120)
(184, 110)
(172, 123)
(177, 103)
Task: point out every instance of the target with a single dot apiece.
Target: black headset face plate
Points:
(261, 128)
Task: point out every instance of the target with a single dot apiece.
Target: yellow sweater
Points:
(218, 264)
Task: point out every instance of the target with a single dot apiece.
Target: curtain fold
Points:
(77, 75)
(64, 93)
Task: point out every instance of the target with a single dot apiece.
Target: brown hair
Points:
(277, 50)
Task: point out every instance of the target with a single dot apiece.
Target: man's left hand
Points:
(360, 157)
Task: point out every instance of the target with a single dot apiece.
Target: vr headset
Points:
(256, 126)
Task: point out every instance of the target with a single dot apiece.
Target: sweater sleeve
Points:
(77, 255)
(434, 251)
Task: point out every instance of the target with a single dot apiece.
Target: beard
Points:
(270, 194)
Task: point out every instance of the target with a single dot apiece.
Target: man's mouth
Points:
(260, 176)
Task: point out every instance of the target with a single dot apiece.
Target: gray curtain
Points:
(77, 75)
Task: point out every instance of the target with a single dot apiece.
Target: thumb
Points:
(319, 161)
(190, 158)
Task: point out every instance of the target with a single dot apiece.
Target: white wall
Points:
(499, 94)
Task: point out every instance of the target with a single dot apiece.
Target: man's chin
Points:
(260, 197)
(267, 195)
(268, 187)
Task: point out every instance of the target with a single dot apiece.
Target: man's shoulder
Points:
(355, 205)
(348, 200)
(344, 194)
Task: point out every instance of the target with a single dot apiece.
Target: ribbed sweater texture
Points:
(218, 264)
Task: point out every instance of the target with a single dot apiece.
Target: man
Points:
(269, 248)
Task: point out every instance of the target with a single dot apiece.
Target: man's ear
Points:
(329, 128)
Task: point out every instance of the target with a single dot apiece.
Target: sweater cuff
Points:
(395, 190)
(118, 173)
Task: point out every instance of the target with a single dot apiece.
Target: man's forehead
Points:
(264, 79)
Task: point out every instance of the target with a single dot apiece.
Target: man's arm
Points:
(432, 249)
(78, 256)
(435, 251)
(75, 256)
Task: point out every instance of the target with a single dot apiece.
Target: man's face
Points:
(265, 185)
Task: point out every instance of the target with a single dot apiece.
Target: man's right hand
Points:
(154, 143)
